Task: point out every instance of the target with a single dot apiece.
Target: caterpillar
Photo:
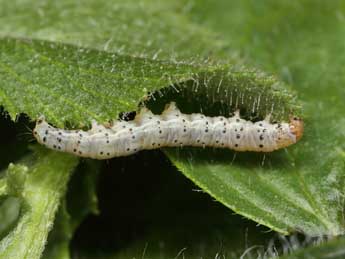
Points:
(170, 129)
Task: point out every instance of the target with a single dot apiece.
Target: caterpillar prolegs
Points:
(170, 129)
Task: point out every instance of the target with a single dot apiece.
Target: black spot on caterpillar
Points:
(174, 129)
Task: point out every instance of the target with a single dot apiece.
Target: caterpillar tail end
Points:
(40, 119)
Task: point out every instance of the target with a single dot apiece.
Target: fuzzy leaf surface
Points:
(76, 84)
(43, 179)
(302, 42)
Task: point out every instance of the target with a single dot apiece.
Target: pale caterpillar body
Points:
(170, 129)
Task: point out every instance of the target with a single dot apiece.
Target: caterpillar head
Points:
(296, 126)
(289, 133)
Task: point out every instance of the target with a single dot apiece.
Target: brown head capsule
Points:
(296, 127)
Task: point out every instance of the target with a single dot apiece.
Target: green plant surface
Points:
(39, 181)
(157, 30)
(65, 83)
(333, 249)
(73, 62)
(161, 214)
(79, 201)
(302, 42)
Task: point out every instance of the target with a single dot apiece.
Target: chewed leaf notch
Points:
(222, 91)
(72, 84)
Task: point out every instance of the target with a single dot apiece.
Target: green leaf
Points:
(160, 214)
(60, 236)
(92, 94)
(297, 189)
(43, 181)
(157, 30)
(79, 201)
(333, 249)
(9, 214)
(66, 83)
(301, 188)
